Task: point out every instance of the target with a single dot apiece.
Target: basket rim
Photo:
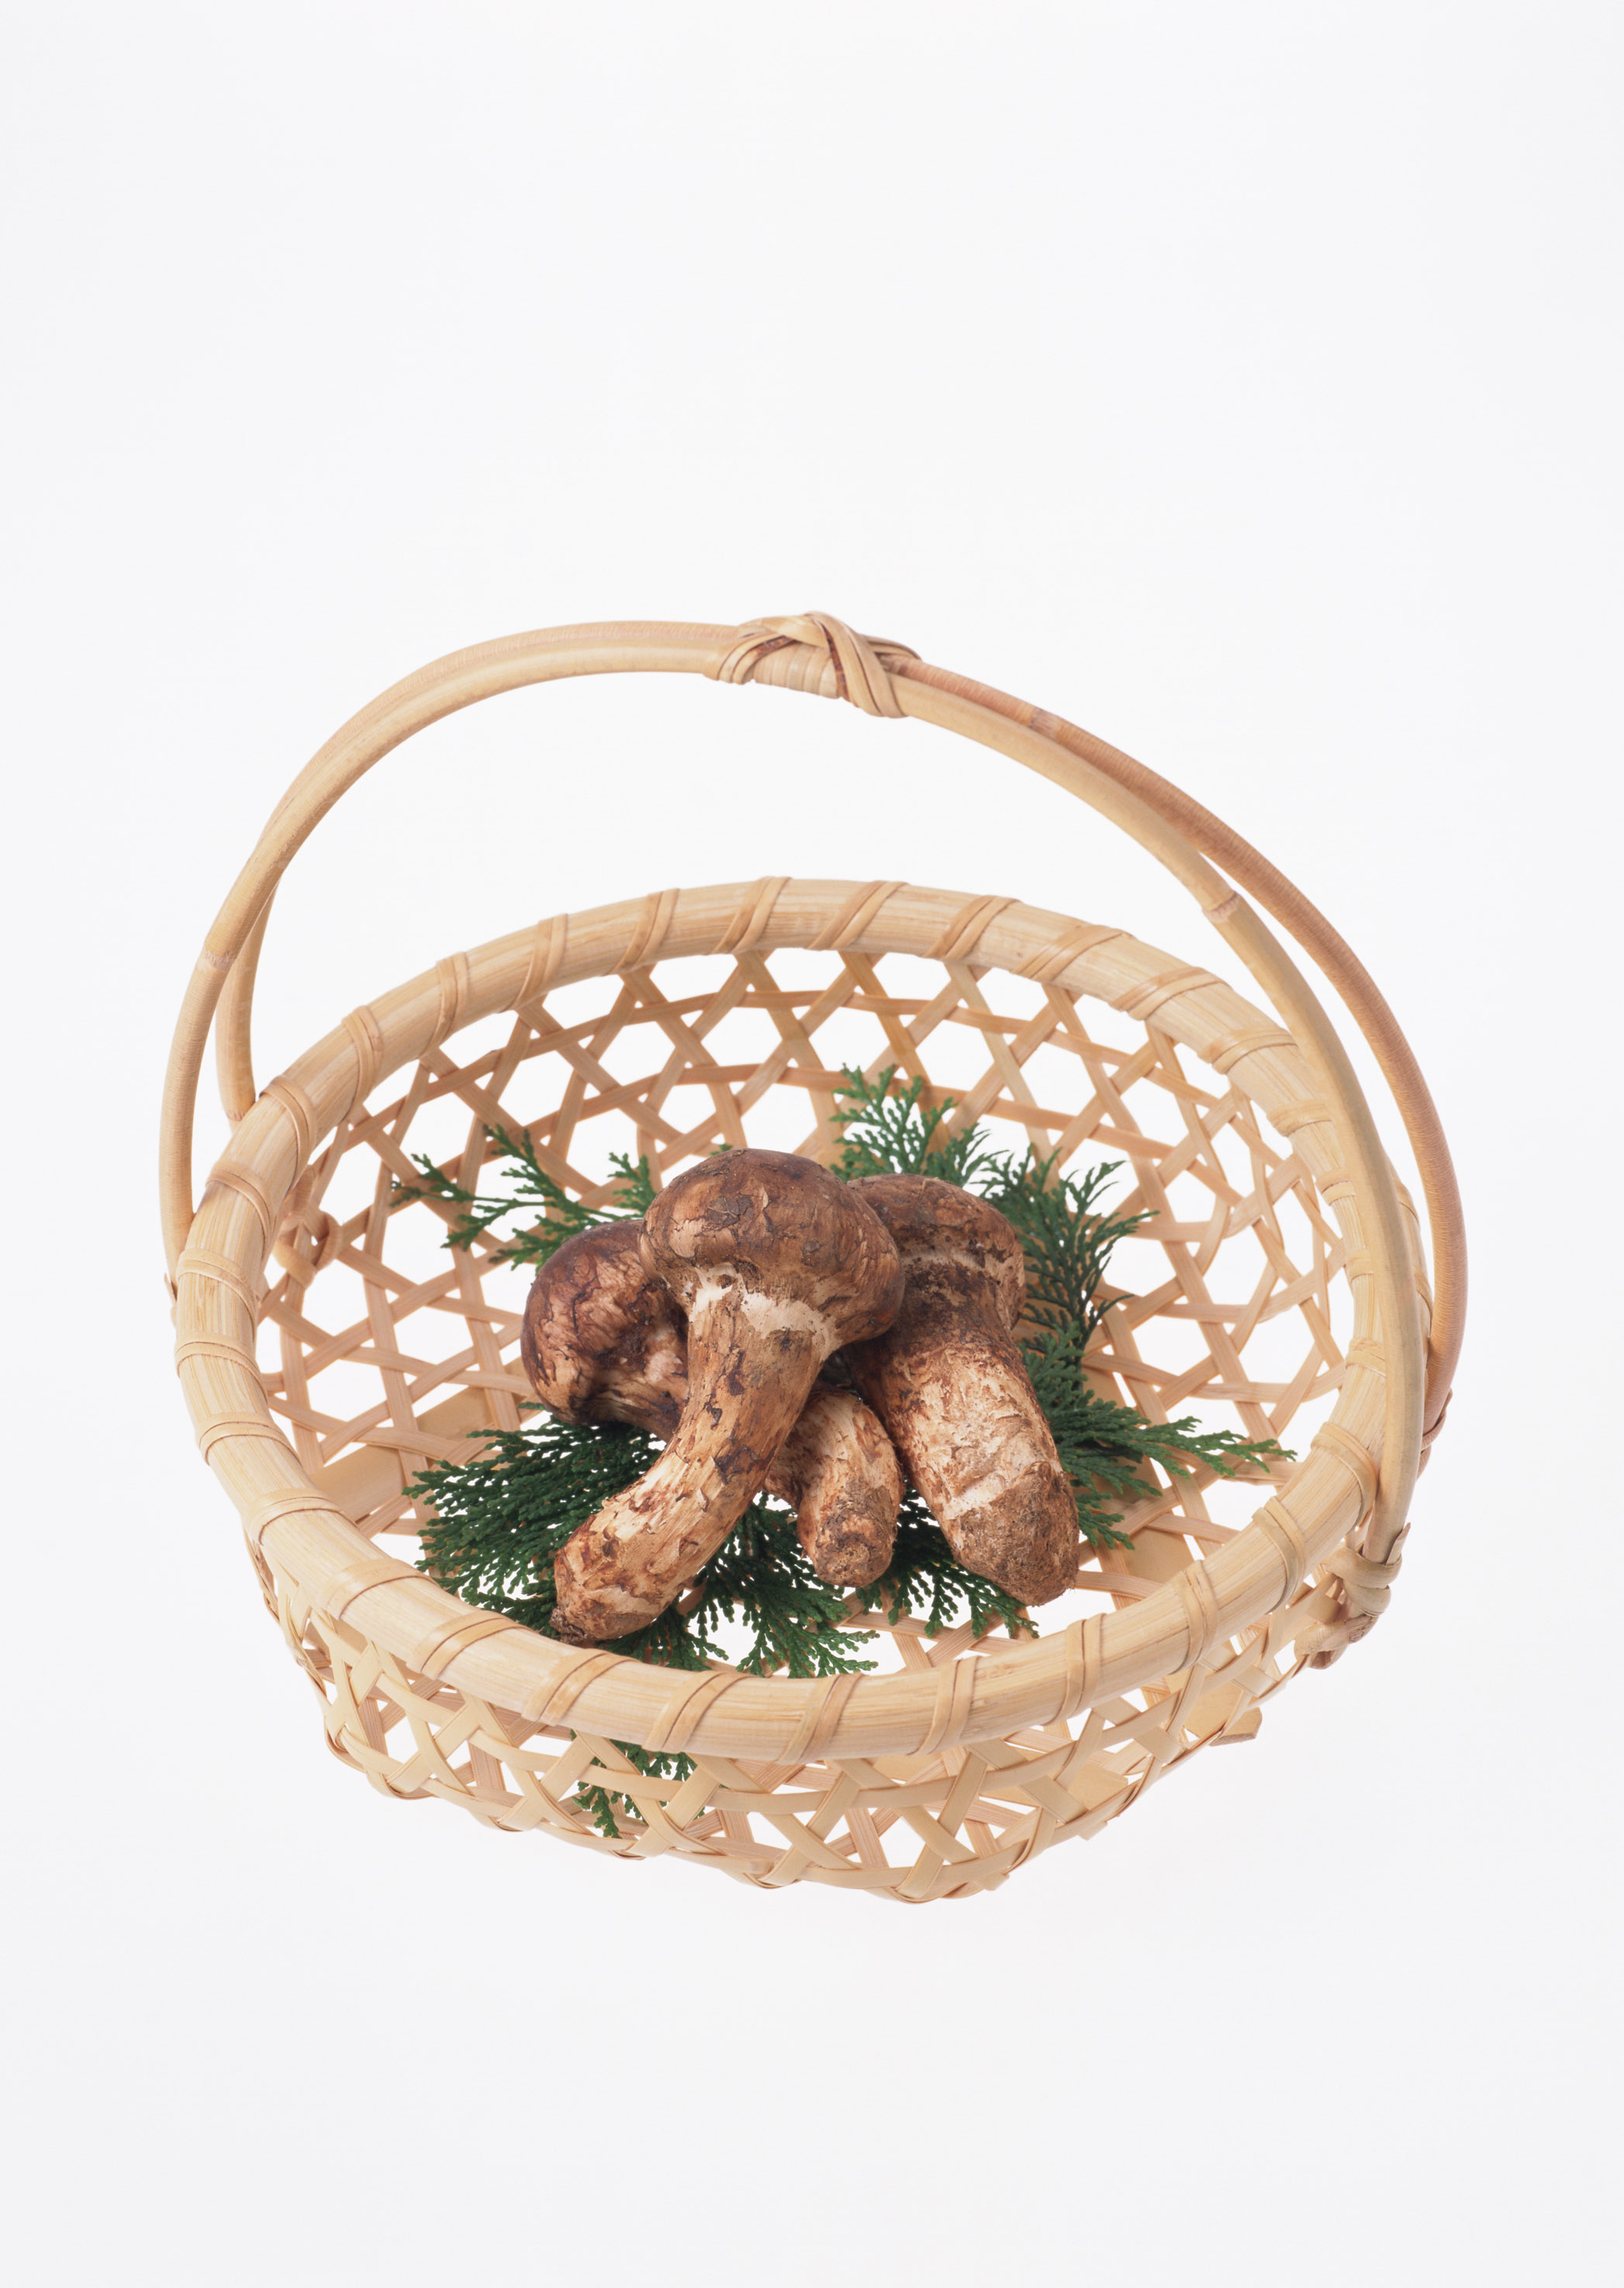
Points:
(1332, 1491)
(815, 652)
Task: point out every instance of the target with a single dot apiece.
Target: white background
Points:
(1239, 381)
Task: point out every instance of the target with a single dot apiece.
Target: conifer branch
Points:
(887, 1132)
(530, 1188)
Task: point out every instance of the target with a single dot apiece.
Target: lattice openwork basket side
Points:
(329, 1345)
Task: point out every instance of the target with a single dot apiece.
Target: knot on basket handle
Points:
(1363, 1588)
(306, 1241)
(809, 651)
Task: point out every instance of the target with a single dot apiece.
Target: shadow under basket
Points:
(331, 1345)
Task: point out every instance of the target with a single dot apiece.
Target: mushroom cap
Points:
(932, 1221)
(778, 1226)
(601, 1341)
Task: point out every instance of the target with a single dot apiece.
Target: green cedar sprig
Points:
(500, 1520)
(1066, 1236)
(1104, 1447)
(887, 1133)
(530, 1190)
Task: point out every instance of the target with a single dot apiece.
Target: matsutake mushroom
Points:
(775, 1264)
(839, 1473)
(602, 1341)
(949, 1382)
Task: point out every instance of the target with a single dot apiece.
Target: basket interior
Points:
(380, 1349)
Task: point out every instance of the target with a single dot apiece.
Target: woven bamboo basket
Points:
(329, 1345)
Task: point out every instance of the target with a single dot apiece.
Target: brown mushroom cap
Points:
(779, 1227)
(948, 1381)
(942, 1232)
(776, 1264)
(602, 1341)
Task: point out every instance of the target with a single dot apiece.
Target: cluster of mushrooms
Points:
(783, 1331)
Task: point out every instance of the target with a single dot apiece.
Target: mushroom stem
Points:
(839, 1473)
(621, 1568)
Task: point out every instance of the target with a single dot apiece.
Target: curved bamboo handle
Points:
(817, 652)
(1336, 960)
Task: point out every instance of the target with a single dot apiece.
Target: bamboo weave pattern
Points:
(330, 1347)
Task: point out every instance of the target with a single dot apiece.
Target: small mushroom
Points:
(776, 1264)
(949, 1382)
(839, 1473)
(602, 1341)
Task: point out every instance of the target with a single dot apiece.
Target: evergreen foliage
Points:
(494, 1524)
(887, 1134)
(1066, 1236)
(551, 1215)
(1104, 1447)
(500, 1520)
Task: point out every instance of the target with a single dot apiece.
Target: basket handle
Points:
(1335, 959)
(817, 652)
